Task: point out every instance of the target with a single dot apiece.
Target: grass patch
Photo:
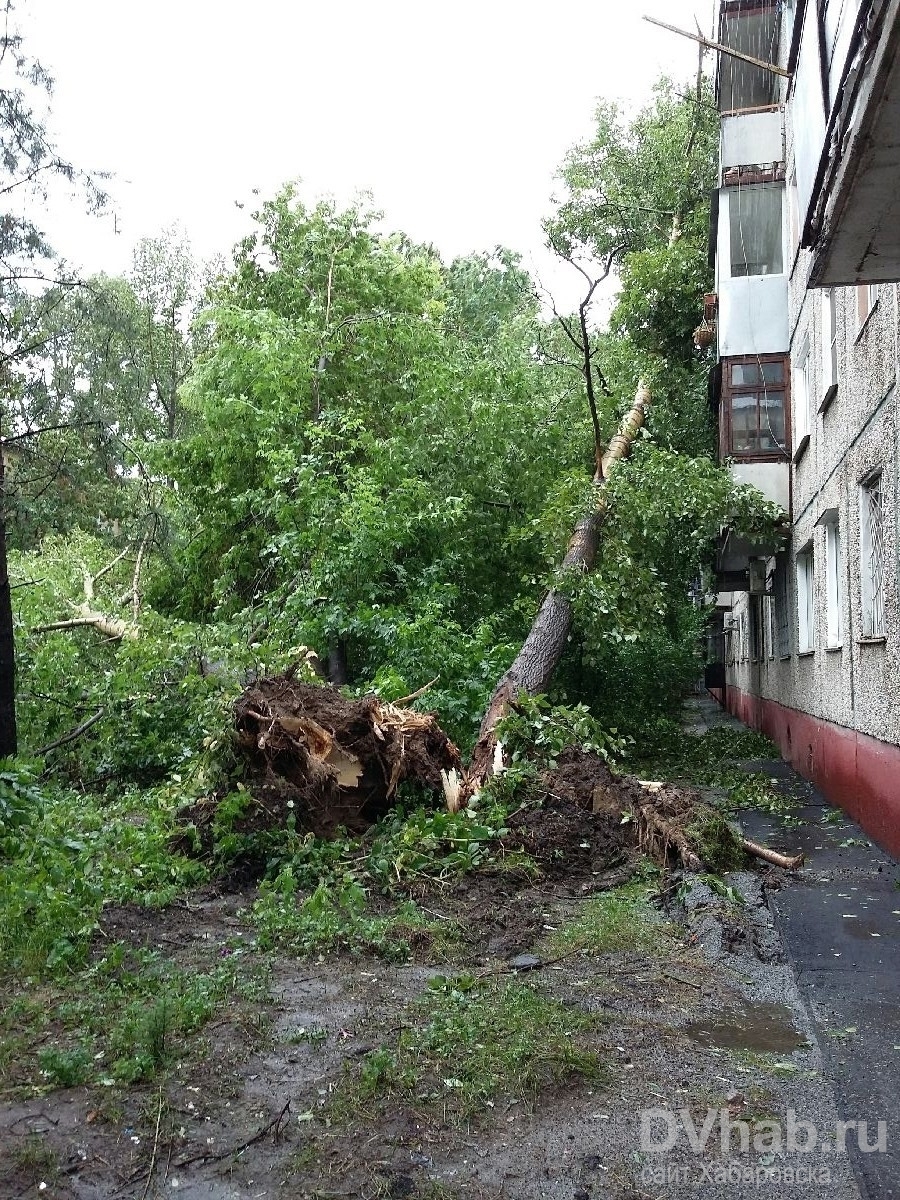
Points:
(470, 1042)
(125, 1018)
(621, 919)
(336, 918)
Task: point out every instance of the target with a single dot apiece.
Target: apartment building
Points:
(806, 245)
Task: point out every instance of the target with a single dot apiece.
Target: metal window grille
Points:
(782, 607)
(873, 559)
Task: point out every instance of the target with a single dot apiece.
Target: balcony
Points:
(848, 146)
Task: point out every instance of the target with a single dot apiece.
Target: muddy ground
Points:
(704, 1017)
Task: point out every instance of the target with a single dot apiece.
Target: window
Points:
(752, 31)
(806, 594)
(794, 214)
(871, 514)
(833, 583)
(800, 393)
(755, 220)
(866, 299)
(754, 425)
(782, 607)
(770, 624)
(829, 348)
(757, 650)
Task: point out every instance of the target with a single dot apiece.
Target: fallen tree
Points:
(543, 646)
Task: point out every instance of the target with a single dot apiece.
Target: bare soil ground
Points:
(353, 1077)
(255, 1110)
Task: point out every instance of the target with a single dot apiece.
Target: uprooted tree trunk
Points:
(543, 647)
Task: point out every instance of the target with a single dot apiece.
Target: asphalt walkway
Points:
(839, 918)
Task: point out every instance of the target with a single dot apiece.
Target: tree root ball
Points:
(339, 760)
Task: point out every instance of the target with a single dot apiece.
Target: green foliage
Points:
(73, 855)
(333, 918)
(20, 803)
(539, 731)
(418, 845)
(626, 184)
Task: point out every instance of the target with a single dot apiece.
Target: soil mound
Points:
(577, 828)
(589, 820)
(338, 760)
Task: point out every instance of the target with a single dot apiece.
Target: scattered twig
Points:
(273, 1126)
(417, 693)
(545, 962)
(155, 1147)
(73, 733)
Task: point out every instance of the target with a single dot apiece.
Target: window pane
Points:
(745, 375)
(754, 33)
(771, 422)
(773, 372)
(872, 559)
(744, 418)
(755, 218)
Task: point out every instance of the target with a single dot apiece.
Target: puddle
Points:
(763, 1028)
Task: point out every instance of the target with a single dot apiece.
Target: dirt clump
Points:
(327, 760)
(576, 829)
(589, 820)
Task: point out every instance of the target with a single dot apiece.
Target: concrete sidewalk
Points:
(839, 919)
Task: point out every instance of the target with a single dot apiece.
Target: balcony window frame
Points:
(748, 8)
(775, 183)
(729, 390)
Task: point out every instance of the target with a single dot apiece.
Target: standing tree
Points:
(29, 164)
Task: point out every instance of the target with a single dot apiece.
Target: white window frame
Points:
(793, 201)
(770, 624)
(800, 399)
(828, 331)
(872, 558)
(806, 600)
(732, 225)
(866, 298)
(833, 585)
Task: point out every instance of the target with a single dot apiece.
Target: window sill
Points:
(785, 657)
(825, 402)
(834, 649)
(806, 653)
(872, 641)
(801, 447)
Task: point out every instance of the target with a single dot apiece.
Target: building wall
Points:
(854, 686)
(834, 710)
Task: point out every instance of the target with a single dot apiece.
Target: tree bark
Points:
(8, 737)
(543, 647)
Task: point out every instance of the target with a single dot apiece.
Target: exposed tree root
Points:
(333, 761)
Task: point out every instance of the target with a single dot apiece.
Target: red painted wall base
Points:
(854, 771)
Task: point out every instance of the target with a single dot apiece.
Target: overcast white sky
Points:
(455, 116)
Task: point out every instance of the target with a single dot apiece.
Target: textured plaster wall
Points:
(858, 684)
